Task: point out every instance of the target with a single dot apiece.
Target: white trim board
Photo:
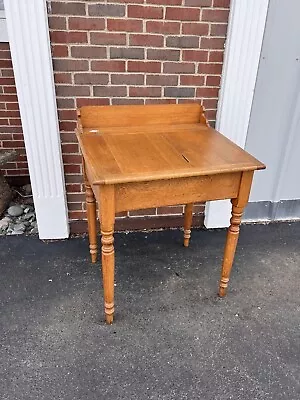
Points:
(246, 28)
(28, 31)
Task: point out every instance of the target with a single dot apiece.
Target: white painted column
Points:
(27, 25)
(246, 28)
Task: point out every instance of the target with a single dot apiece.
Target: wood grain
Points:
(154, 114)
(147, 156)
(238, 205)
(176, 191)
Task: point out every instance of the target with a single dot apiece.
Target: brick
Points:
(60, 51)
(67, 8)
(191, 80)
(12, 106)
(68, 37)
(207, 92)
(126, 101)
(107, 38)
(198, 3)
(74, 188)
(70, 65)
(162, 80)
(145, 91)
(108, 10)
(183, 41)
(108, 66)
(127, 79)
(85, 101)
(110, 91)
(212, 43)
(163, 27)
(215, 15)
(146, 40)
(210, 103)
(86, 24)
(73, 178)
(179, 92)
(9, 114)
(68, 126)
(67, 115)
(9, 89)
(145, 12)
(72, 169)
(210, 69)
(70, 148)
(213, 80)
(216, 56)
(7, 81)
(195, 55)
(9, 98)
(162, 54)
(182, 14)
(69, 138)
(165, 2)
(5, 64)
(199, 29)
(144, 66)
(127, 53)
(179, 68)
(72, 158)
(170, 210)
(65, 103)
(222, 3)
(7, 72)
(218, 30)
(13, 144)
(70, 91)
(59, 23)
(62, 78)
(4, 46)
(126, 25)
(4, 121)
(88, 52)
(145, 211)
(91, 79)
(5, 55)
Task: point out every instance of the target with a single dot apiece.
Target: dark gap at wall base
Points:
(141, 223)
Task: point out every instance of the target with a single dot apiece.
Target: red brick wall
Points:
(122, 52)
(11, 135)
(133, 52)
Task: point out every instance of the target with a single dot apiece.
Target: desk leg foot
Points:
(92, 221)
(188, 216)
(230, 247)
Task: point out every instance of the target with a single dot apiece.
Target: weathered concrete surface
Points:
(172, 337)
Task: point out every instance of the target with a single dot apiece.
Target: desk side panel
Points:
(139, 195)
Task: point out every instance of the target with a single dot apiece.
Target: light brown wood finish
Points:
(91, 217)
(107, 221)
(238, 205)
(188, 216)
(155, 155)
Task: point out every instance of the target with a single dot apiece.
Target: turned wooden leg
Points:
(92, 220)
(188, 216)
(107, 219)
(238, 206)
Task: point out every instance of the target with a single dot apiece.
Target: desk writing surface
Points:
(144, 153)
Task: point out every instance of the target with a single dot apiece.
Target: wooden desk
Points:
(157, 155)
